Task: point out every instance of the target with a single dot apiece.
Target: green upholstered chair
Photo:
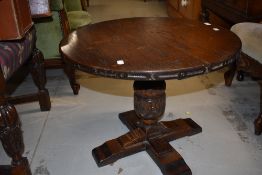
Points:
(250, 60)
(76, 13)
(50, 31)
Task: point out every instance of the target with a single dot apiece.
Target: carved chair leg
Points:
(70, 72)
(258, 121)
(12, 141)
(258, 124)
(39, 77)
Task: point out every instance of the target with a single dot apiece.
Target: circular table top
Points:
(150, 48)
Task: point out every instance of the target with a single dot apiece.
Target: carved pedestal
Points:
(12, 141)
(147, 133)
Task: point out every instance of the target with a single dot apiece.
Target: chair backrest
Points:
(73, 5)
(56, 5)
(51, 30)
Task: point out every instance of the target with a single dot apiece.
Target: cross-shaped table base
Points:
(155, 142)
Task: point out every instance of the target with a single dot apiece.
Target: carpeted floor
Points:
(59, 142)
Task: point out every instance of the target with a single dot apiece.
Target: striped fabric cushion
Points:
(14, 53)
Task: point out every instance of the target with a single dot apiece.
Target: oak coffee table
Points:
(148, 51)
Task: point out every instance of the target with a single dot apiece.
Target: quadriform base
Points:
(147, 133)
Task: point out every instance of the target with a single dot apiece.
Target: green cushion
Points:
(78, 18)
(56, 5)
(49, 35)
(251, 37)
(73, 5)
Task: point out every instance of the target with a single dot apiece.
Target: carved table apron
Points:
(148, 51)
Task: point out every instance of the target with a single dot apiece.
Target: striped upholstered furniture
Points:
(17, 57)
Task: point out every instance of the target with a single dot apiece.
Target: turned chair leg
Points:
(258, 124)
(229, 75)
(12, 141)
(71, 74)
(258, 121)
(39, 78)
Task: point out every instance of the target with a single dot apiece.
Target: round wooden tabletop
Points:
(150, 48)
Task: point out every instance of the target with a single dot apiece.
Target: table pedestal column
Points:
(147, 133)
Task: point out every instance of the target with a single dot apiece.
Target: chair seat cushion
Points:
(251, 37)
(49, 34)
(78, 18)
(14, 53)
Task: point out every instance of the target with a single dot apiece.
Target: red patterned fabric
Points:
(14, 53)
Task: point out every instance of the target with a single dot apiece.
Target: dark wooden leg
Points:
(70, 72)
(258, 124)
(204, 14)
(245, 64)
(258, 121)
(229, 75)
(12, 141)
(39, 77)
(147, 133)
(240, 75)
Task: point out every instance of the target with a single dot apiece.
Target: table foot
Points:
(155, 140)
(127, 144)
(167, 158)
